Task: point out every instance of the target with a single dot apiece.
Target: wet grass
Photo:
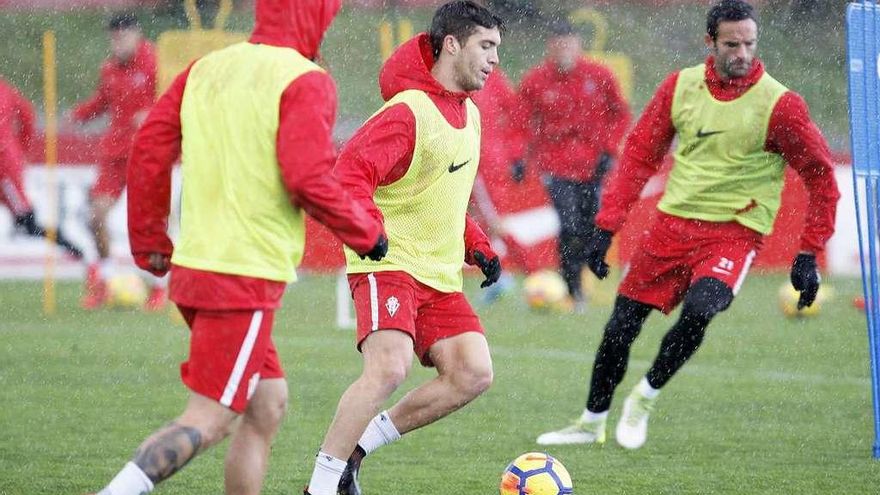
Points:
(768, 405)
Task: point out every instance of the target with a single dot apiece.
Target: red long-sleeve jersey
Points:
(571, 118)
(16, 124)
(124, 91)
(791, 134)
(381, 151)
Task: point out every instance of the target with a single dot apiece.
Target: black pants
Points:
(576, 203)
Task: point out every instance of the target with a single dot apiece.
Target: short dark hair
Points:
(460, 19)
(728, 11)
(561, 27)
(123, 20)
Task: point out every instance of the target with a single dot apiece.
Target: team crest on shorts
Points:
(392, 305)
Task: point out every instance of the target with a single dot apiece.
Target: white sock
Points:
(130, 481)
(381, 431)
(646, 389)
(325, 477)
(591, 417)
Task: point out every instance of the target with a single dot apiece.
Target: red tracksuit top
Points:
(16, 136)
(381, 151)
(791, 133)
(305, 157)
(571, 118)
(123, 91)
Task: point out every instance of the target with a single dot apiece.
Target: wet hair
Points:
(124, 20)
(460, 19)
(728, 11)
(561, 27)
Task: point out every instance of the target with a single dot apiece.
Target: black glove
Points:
(805, 278)
(491, 268)
(603, 165)
(518, 171)
(380, 249)
(596, 250)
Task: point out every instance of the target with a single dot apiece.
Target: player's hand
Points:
(805, 278)
(491, 268)
(596, 250)
(160, 262)
(518, 171)
(380, 249)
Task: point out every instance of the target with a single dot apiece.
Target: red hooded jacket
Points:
(305, 151)
(380, 151)
(16, 135)
(124, 90)
(500, 144)
(571, 118)
(791, 133)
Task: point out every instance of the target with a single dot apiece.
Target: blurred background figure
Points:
(16, 136)
(500, 147)
(126, 91)
(574, 116)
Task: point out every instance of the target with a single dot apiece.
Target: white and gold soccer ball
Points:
(536, 473)
(789, 296)
(545, 291)
(126, 291)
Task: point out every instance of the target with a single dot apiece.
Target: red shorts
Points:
(229, 353)
(396, 301)
(676, 252)
(111, 178)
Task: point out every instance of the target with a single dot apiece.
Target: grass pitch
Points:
(768, 405)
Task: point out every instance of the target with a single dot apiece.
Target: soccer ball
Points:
(126, 290)
(788, 299)
(536, 473)
(545, 290)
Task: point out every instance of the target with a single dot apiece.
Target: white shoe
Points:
(632, 429)
(578, 433)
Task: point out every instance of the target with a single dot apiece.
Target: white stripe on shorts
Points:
(745, 270)
(244, 355)
(374, 302)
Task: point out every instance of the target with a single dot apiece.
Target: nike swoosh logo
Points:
(701, 134)
(453, 167)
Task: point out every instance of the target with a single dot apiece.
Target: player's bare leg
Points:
(95, 293)
(464, 368)
(101, 206)
(387, 361)
(248, 455)
(464, 371)
(387, 358)
(203, 423)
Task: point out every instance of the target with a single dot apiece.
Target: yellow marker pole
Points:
(404, 31)
(50, 99)
(386, 40)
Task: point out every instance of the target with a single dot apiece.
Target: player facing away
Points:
(737, 127)
(17, 136)
(253, 124)
(126, 91)
(413, 164)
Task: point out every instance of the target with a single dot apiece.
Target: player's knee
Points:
(706, 298)
(472, 380)
(389, 375)
(268, 412)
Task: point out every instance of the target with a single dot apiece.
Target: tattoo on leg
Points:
(167, 451)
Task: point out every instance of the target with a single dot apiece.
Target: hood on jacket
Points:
(297, 24)
(409, 67)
